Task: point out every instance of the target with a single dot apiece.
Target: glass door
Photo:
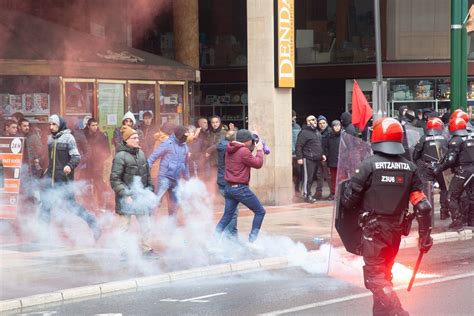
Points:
(172, 102)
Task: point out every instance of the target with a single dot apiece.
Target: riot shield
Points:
(413, 136)
(347, 223)
(352, 151)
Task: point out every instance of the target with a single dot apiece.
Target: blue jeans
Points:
(231, 229)
(168, 185)
(234, 195)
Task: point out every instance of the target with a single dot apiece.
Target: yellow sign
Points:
(285, 43)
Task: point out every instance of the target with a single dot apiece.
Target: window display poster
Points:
(11, 156)
(111, 104)
(41, 103)
(78, 97)
(170, 99)
(16, 103)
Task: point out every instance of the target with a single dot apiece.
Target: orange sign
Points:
(11, 155)
(285, 43)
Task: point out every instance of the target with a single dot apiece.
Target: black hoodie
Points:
(308, 144)
(346, 120)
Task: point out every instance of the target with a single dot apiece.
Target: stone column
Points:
(186, 32)
(269, 108)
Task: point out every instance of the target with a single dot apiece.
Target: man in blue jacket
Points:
(173, 165)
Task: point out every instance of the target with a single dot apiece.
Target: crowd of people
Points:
(217, 154)
(436, 148)
(146, 160)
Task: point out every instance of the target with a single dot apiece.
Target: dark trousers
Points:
(379, 251)
(62, 196)
(240, 193)
(296, 174)
(322, 174)
(456, 188)
(310, 167)
(333, 172)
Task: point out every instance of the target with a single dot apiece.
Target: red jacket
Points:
(238, 161)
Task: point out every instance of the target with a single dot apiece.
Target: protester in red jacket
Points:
(238, 162)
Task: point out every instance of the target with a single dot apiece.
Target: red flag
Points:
(361, 110)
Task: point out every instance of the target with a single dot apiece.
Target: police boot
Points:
(456, 224)
(386, 302)
(443, 214)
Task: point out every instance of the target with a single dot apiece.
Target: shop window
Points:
(171, 103)
(79, 98)
(34, 96)
(424, 93)
(142, 98)
(229, 101)
(330, 31)
(223, 33)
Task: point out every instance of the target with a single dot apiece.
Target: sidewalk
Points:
(27, 268)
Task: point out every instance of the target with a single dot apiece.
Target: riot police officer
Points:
(428, 151)
(381, 189)
(460, 158)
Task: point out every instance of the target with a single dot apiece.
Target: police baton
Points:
(417, 265)
(415, 270)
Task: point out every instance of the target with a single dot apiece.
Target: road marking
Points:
(198, 299)
(205, 296)
(357, 296)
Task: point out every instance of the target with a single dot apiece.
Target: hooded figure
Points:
(127, 119)
(173, 165)
(64, 157)
(346, 120)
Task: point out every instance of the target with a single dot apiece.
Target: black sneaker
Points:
(443, 216)
(330, 197)
(455, 226)
(150, 254)
(310, 199)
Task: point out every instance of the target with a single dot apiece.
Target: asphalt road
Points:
(444, 288)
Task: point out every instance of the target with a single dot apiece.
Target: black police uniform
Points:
(428, 151)
(460, 158)
(381, 189)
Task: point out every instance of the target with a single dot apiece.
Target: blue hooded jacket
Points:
(174, 159)
(221, 148)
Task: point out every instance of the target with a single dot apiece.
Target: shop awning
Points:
(32, 46)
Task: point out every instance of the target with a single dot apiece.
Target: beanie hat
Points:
(243, 135)
(179, 131)
(127, 132)
(58, 120)
(54, 119)
(335, 122)
(322, 118)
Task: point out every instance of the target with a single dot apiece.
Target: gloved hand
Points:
(425, 242)
(372, 226)
(436, 169)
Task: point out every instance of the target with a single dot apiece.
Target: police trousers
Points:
(379, 251)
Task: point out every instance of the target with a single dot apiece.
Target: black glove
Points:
(372, 226)
(425, 242)
(437, 169)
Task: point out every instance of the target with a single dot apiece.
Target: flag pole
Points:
(378, 104)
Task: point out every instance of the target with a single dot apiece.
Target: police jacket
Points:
(382, 184)
(308, 144)
(460, 153)
(430, 148)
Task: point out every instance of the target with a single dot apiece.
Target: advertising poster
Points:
(111, 105)
(11, 156)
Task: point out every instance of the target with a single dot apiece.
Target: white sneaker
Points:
(252, 246)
